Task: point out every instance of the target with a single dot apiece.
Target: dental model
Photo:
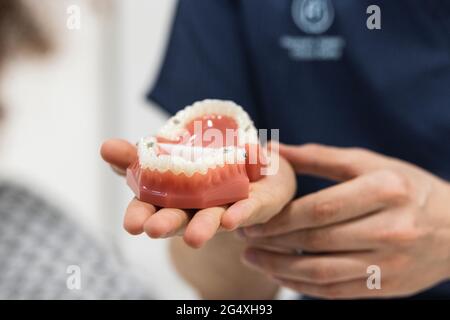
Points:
(204, 156)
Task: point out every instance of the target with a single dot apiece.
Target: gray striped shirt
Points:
(45, 255)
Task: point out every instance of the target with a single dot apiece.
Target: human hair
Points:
(20, 31)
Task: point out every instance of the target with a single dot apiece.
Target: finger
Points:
(166, 222)
(267, 197)
(203, 226)
(381, 230)
(119, 153)
(342, 290)
(355, 198)
(346, 237)
(321, 269)
(334, 163)
(241, 211)
(119, 171)
(136, 215)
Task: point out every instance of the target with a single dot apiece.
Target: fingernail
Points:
(165, 235)
(251, 257)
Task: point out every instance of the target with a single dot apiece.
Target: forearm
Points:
(217, 272)
(446, 210)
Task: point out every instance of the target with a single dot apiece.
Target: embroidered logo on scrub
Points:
(313, 17)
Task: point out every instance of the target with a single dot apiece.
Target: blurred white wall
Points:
(53, 121)
(61, 108)
(143, 29)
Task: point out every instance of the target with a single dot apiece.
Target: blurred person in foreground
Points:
(374, 187)
(44, 254)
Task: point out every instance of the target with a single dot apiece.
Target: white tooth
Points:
(175, 126)
(202, 169)
(162, 163)
(220, 160)
(181, 162)
(190, 168)
(187, 160)
(209, 161)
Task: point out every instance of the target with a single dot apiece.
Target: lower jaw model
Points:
(205, 155)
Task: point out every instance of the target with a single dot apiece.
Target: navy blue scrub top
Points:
(314, 70)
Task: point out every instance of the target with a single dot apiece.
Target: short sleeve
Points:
(205, 58)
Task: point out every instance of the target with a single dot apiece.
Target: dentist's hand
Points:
(267, 197)
(385, 212)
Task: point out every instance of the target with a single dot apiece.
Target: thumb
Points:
(338, 164)
(118, 153)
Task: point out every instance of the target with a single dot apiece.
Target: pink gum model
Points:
(198, 188)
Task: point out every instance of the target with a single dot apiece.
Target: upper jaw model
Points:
(204, 156)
